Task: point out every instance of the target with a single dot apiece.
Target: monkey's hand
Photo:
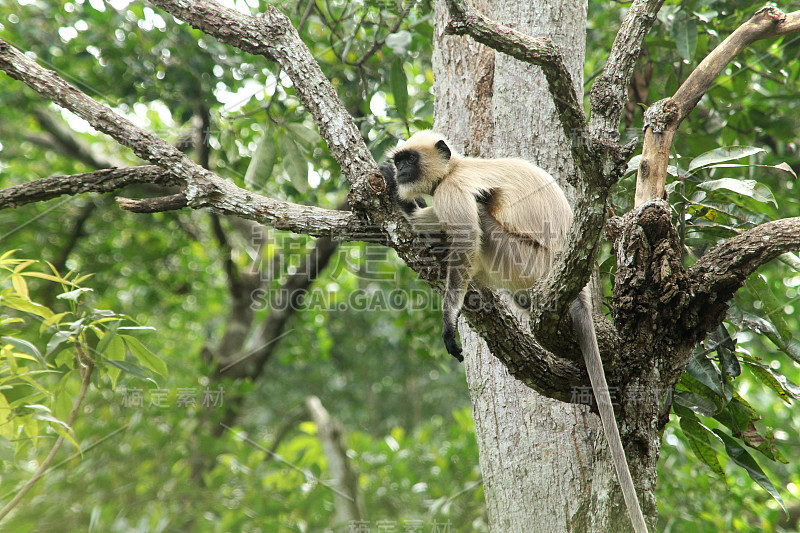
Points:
(449, 338)
(408, 206)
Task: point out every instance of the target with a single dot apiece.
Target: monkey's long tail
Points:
(581, 312)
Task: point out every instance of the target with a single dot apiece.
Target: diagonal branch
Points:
(272, 35)
(768, 22)
(663, 118)
(554, 376)
(107, 180)
(610, 90)
(203, 188)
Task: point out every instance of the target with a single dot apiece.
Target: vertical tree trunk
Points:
(545, 464)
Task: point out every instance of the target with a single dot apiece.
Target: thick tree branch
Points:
(203, 188)
(107, 180)
(768, 22)
(723, 270)
(732, 261)
(609, 91)
(661, 310)
(554, 293)
(554, 376)
(273, 36)
(663, 118)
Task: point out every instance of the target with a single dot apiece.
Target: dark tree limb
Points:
(203, 188)
(723, 270)
(661, 310)
(663, 118)
(272, 36)
(554, 376)
(107, 180)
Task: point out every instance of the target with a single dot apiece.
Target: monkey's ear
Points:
(443, 148)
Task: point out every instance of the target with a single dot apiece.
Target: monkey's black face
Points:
(407, 164)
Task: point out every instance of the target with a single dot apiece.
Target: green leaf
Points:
(303, 135)
(764, 327)
(6, 423)
(696, 402)
(686, 38)
(750, 188)
(697, 436)
(399, 86)
(742, 458)
(130, 368)
(115, 351)
(21, 304)
(764, 444)
(702, 369)
(263, 161)
(25, 347)
(59, 426)
(109, 334)
(73, 295)
(737, 415)
(145, 356)
(781, 166)
(18, 282)
(727, 153)
(776, 382)
(62, 400)
(726, 349)
(56, 340)
(296, 165)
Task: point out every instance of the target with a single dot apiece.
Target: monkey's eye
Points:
(412, 158)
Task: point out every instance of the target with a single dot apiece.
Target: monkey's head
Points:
(422, 162)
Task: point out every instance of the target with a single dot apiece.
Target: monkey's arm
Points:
(409, 207)
(458, 212)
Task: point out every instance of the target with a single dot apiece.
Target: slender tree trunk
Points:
(545, 463)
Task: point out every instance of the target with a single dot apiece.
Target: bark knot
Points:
(661, 115)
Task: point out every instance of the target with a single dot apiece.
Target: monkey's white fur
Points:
(505, 219)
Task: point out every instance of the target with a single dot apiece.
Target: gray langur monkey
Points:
(505, 220)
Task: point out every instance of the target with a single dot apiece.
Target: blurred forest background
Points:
(233, 447)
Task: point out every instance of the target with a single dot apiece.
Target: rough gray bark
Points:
(544, 462)
(106, 180)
